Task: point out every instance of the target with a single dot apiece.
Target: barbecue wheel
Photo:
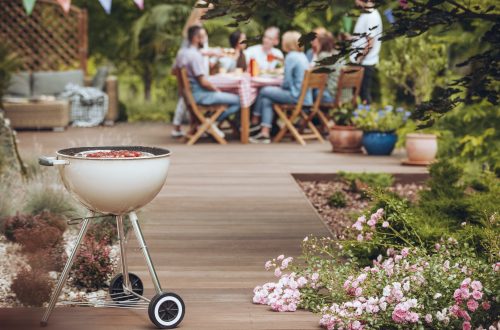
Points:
(166, 310)
(116, 291)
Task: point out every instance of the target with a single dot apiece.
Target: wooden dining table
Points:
(247, 87)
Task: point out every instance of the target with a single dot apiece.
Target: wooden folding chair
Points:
(291, 113)
(350, 78)
(202, 116)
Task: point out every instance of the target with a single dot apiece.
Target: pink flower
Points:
(358, 292)
(466, 326)
(437, 246)
(362, 219)
(358, 225)
(356, 325)
(477, 295)
(385, 224)
(281, 257)
(371, 223)
(284, 264)
(277, 272)
(464, 293)
(476, 285)
(472, 305)
(405, 252)
(465, 283)
(428, 318)
(268, 265)
(486, 305)
(315, 277)
(360, 238)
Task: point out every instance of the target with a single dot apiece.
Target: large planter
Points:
(421, 148)
(379, 143)
(345, 139)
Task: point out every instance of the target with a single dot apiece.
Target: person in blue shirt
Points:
(296, 64)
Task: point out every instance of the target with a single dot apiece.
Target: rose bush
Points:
(409, 287)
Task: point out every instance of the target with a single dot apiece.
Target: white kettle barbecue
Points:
(118, 186)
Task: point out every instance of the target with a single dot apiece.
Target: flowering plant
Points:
(409, 287)
(387, 119)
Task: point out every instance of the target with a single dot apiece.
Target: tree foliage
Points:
(413, 18)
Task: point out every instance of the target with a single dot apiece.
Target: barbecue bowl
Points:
(112, 185)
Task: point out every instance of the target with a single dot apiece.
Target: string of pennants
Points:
(66, 5)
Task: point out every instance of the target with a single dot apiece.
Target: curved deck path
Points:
(222, 213)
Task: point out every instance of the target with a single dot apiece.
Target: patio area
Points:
(223, 211)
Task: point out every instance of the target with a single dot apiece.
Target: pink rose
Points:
(476, 285)
(486, 305)
(399, 315)
(358, 292)
(472, 305)
(477, 294)
(428, 318)
(385, 224)
(360, 238)
(465, 283)
(277, 272)
(405, 252)
(466, 326)
(268, 265)
(281, 257)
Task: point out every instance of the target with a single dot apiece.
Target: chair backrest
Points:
(312, 81)
(185, 91)
(350, 77)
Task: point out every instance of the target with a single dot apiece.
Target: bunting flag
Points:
(65, 4)
(140, 4)
(106, 4)
(28, 6)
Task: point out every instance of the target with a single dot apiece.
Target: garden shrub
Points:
(40, 237)
(360, 182)
(32, 287)
(28, 221)
(54, 200)
(104, 229)
(337, 200)
(446, 286)
(48, 260)
(92, 267)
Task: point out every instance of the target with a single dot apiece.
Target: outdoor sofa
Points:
(31, 99)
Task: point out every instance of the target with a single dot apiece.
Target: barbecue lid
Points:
(153, 152)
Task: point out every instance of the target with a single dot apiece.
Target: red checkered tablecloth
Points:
(245, 86)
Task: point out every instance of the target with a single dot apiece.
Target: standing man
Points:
(203, 91)
(367, 34)
(266, 55)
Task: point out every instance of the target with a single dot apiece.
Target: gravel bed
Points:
(340, 219)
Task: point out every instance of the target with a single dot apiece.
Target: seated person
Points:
(296, 64)
(236, 60)
(266, 55)
(327, 49)
(312, 53)
(204, 92)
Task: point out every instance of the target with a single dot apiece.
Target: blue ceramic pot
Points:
(379, 143)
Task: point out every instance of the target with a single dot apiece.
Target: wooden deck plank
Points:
(223, 212)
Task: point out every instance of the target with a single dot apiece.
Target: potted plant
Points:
(344, 136)
(421, 144)
(379, 127)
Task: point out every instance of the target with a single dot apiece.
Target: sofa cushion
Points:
(54, 82)
(20, 85)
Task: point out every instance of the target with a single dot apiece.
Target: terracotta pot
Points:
(421, 148)
(345, 139)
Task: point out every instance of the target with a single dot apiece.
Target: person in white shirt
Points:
(266, 55)
(367, 34)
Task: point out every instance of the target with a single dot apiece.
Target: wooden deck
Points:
(224, 211)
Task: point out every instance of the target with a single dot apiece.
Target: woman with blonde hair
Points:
(296, 64)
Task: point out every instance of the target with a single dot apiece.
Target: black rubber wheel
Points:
(166, 310)
(117, 293)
